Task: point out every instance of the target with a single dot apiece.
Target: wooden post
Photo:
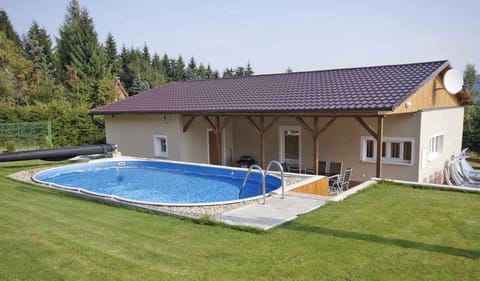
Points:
(315, 144)
(262, 142)
(379, 145)
(218, 134)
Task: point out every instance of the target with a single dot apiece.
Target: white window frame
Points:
(436, 145)
(157, 145)
(387, 159)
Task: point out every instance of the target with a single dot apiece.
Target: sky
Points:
(275, 35)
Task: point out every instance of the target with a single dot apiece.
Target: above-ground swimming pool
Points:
(158, 182)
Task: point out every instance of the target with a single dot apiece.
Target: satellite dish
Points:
(453, 81)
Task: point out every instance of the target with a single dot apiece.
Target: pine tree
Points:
(248, 69)
(228, 73)
(172, 70)
(180, 69)
(66, 40)
(239, 71)
(166, 66)
(191, 73)
(208, 72)
(37, 47)
(7, 28)
(79, 48)
(146, 54)
(469, 77)
(157, 63)
(202, 72)
(289, 70)
(138, 86)
(111, 54)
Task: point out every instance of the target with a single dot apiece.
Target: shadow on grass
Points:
(473, 254)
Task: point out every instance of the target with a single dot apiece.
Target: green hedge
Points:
(71, 123)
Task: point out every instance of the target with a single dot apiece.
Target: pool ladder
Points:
(264, 175)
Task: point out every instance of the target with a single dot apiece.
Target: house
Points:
(391, 121)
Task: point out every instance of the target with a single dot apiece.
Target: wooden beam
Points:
(218, 134)
(254, 124)
(224, 123)
(367, 127)
(188, 123)
(315, 144)
(304, 125)
(262, 141)
(379, 139)
(269, 126)
(212, 126)
(329, 123)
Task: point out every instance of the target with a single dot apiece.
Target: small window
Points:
(407, 150)
(160, 145)
(435, 146)
(370, 149)
(394, 150)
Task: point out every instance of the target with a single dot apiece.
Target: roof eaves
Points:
(224, 112)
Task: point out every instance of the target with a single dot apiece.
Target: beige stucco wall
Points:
(442, 121)
(134, 133)
(134, 136)
(194, 142)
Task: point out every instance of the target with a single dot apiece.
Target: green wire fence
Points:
(25, 135)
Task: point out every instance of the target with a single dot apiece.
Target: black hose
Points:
(56, 154)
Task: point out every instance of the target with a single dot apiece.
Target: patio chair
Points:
(339, 183)
(446, 174)
(335, 168)
(322, 168)
(466, 175)
(457, 178)
(475, 174)
(291, 168)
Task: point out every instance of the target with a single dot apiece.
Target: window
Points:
(435, 146)
(160, 146)
(394, 150)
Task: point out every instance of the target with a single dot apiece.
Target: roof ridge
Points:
(310, 71)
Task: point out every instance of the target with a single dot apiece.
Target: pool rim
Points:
(148, 203)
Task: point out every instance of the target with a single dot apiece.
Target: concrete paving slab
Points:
(276, 211)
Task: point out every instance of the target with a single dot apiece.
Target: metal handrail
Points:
(246, 178)
(281, 173)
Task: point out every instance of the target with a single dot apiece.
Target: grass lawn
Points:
(386, 232)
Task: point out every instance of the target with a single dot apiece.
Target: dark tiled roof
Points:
(352, 89)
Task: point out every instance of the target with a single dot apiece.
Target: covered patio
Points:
(217, 123)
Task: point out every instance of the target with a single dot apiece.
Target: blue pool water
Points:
(159, 182)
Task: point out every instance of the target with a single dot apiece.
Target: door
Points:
(212, 148)
(290, 140)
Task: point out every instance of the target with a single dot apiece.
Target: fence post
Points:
(49, 130)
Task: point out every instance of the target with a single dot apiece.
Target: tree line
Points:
(471, 121)
(40, 80)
